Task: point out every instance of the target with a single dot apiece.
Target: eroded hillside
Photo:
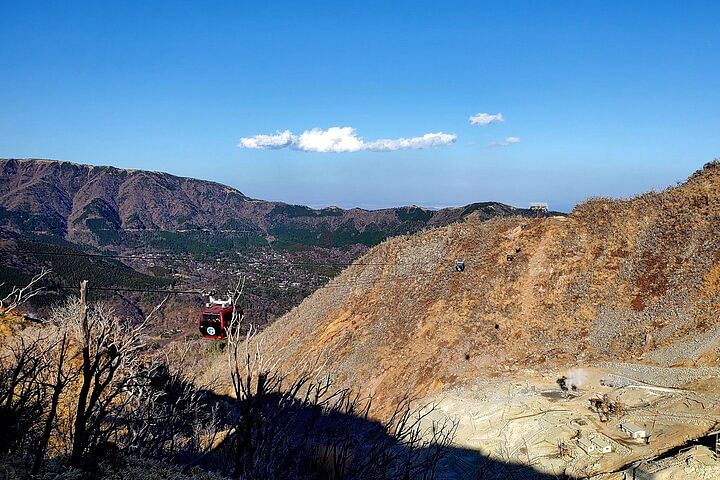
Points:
(616, 280)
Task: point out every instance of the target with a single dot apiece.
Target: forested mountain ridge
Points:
(95, 204)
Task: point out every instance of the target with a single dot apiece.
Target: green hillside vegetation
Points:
(290, 236)
(297, 211)
(70, 270)
(31, 222)
(198, 244)
(414, 214)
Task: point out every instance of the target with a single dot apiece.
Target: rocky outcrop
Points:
(613, 280)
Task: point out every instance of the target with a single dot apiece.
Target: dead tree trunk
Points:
(58, 386)
(110, 363)
(79, 440)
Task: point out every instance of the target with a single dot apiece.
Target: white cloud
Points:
(334, 139)
(342, 139)
(268, 142)
(483, 119)
(504, 143)
(428, 140)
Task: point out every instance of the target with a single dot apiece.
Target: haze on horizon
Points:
(370, 105)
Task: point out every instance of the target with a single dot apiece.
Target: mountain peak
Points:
(72, 200)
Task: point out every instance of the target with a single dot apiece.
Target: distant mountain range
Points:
(95, 205)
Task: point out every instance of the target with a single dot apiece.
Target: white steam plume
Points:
(576, 378)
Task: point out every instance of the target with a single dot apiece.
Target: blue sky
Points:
(606, 98)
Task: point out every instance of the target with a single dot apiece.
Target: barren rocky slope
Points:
(615, 280)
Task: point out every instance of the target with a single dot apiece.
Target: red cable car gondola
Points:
(216, 318)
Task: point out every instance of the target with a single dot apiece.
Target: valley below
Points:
(137, 231)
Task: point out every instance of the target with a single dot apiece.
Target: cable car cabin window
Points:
(216, 322)
(211, 325)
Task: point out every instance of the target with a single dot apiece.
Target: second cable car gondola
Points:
(216, 318)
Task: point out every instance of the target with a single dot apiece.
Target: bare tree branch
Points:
(20, 295)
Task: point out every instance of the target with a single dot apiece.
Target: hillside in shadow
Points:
(289, 438)
(84, 397)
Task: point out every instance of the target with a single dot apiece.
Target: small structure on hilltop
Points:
(587, 446)
(602, 444)
(634, 431)
(540, 208)
(594, 443)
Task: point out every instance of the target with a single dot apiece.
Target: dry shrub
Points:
(84, 395)
(301, 426)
